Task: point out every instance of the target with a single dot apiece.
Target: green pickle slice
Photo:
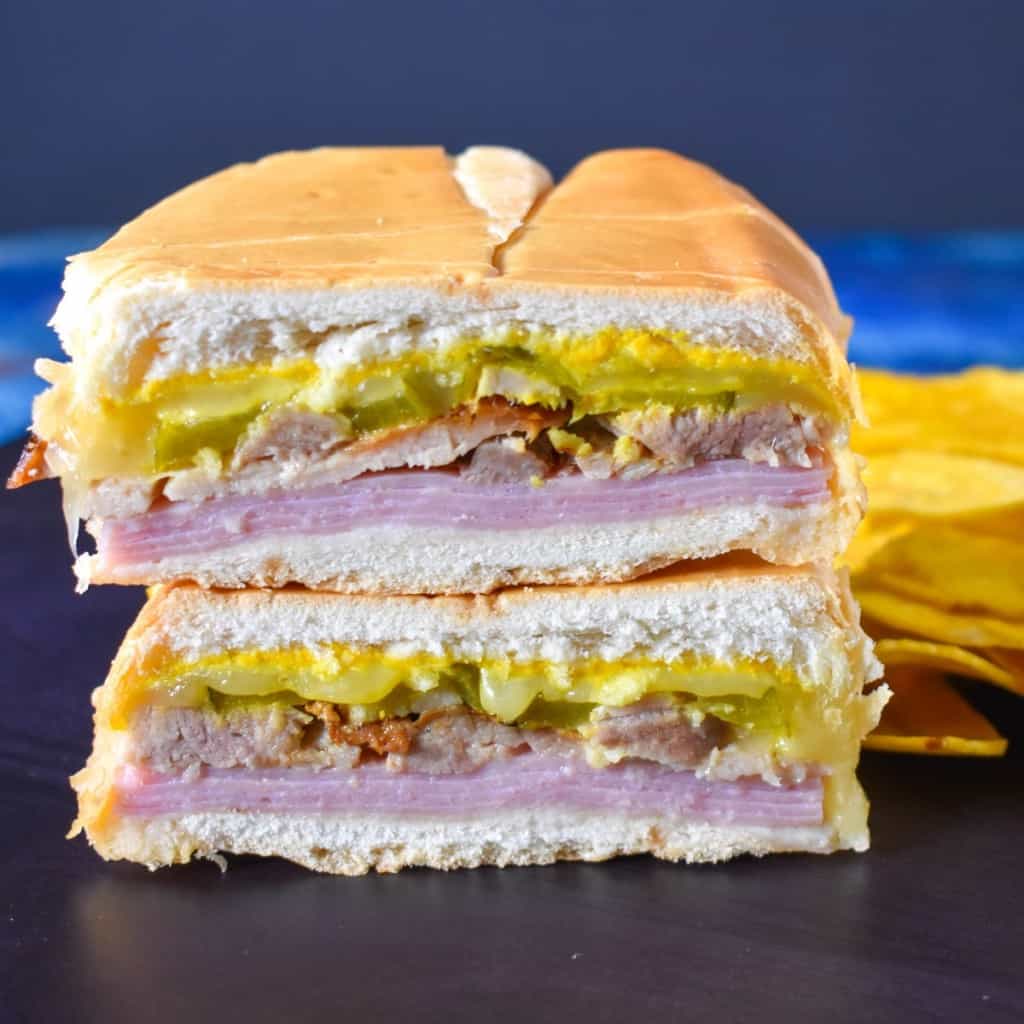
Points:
(595, 377)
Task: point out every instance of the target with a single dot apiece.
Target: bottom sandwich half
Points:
(694, 715)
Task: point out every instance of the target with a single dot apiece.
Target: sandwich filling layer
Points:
(611, 408)
(163, 425)
(345, 730)
(720, 699)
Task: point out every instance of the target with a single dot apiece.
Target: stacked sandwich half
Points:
(487, 522)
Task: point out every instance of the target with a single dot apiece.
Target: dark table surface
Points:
(929, 925)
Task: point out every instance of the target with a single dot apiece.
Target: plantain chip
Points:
(919, 618)
(944, 657)
(979, 412)
(942, 485)
(1012, 661)
(938, 563)
(1007, 523)
(953, 569)
(873, 534)
(927, 715)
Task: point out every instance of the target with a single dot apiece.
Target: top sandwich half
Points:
(396, 370)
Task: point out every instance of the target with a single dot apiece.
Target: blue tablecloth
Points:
(31, 267)
(926, 303)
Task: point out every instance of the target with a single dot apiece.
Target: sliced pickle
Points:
(507, 695)
(464, 680)
(752, 684)
(766, 714)
(214, 415)
(177, 444)
(416, 396)
(364, 684)
(505, 689)
(544, 714)
(170, 421)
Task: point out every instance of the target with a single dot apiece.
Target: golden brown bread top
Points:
(643, 220)
(650, 219)
(316, 218)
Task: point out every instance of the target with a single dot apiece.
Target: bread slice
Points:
(794, 631)
(385, 843)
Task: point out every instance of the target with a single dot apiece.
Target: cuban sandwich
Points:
(391, 370)
(695, 714)
(486, 521)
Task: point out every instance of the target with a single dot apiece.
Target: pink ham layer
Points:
(438, 498)
(530, 781)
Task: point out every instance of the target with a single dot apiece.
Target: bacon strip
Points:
(31, 464)
(526, 781)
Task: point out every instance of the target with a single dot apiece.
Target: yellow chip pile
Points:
(926, 715)
(938, 563)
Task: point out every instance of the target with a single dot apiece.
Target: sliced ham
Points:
(524, 782)
(442, 498)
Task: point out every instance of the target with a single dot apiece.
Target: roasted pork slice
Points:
(285, 452)
(774, 435)
(443, 736)
(696, 715)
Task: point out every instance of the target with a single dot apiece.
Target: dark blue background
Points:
(897, 114)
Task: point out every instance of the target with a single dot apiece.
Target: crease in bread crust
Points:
(506, 184)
